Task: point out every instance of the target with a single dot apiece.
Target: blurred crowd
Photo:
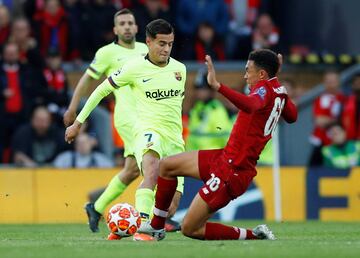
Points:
(336, 138)
(77, 28)
(37, 36)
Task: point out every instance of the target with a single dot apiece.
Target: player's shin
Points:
(164, 195)
(217, 231)
(112, 191)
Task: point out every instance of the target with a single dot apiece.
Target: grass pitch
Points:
(309, 239)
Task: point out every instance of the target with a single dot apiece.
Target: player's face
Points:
(160, 47)
(125, 28)
(252, 73)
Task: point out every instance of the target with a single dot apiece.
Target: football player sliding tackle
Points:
(226, 172)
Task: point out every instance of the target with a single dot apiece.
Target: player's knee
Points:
(166, 167)
(134, 172)
(188, 230)
(150, 176)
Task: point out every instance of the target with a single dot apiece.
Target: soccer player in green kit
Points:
(107, 60)
(157, 83)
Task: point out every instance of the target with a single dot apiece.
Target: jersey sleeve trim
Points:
(93, 73)
(113, 83)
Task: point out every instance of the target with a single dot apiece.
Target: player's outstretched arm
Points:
(99, 93)
(79, 92)
(246, 103)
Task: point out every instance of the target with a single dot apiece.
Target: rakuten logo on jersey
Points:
(163, 94)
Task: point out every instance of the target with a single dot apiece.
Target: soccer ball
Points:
(123, 220)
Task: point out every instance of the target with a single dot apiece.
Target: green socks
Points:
(144, 201)
(113, 190)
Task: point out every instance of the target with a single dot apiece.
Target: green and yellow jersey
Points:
(159, 93)
(109, 59)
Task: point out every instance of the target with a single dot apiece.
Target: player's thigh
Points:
(130, 171)
(183, 164)
(126, 132)
(198, 214)
(131, 164)
(147, 147)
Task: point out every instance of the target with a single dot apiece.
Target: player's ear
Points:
(136, 29)
(263, 74)
(148, 40)
(114, 30)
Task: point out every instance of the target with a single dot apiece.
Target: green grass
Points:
(310, 239)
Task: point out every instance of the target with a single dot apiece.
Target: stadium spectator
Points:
(74, 10)
(265, 34)
(209, 123)
(30, 8)
(83, 156)
(4, 25)
(28, 46)
(20, 90)
(38, 142)
(97, 27)
(57, 91)
(340, 153)
(326, 110)
(191, 13)
(53, 28)
(150, 10)
(207, 43)
(243, 14)
(351, 112)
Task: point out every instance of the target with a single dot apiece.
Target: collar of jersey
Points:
(147, 58)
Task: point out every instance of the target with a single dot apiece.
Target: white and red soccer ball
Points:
(123, 220)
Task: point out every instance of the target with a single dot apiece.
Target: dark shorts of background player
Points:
(223, 182)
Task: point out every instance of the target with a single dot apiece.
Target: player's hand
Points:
(69, 117)
(211, 76)
(281, 60)
(174, 204)
(72, 131)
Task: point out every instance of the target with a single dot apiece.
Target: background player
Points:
(227, 172)
(157, 82)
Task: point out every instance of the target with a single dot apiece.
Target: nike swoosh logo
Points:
(146, 80)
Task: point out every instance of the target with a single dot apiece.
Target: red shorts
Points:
(223, 182)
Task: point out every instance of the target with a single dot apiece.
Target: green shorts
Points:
(163, 146)
(126, 133)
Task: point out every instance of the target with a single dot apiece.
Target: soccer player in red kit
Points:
(227, 172)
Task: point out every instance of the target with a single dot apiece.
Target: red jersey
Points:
(328, 105)
(350, 118)
(257, 119)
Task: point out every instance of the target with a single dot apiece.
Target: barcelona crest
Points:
(178, 76)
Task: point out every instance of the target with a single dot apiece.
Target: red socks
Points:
(164, 195)
(216, 231)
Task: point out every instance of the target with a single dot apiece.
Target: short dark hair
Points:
(159, 26)
(122, 12)
(265, 59)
